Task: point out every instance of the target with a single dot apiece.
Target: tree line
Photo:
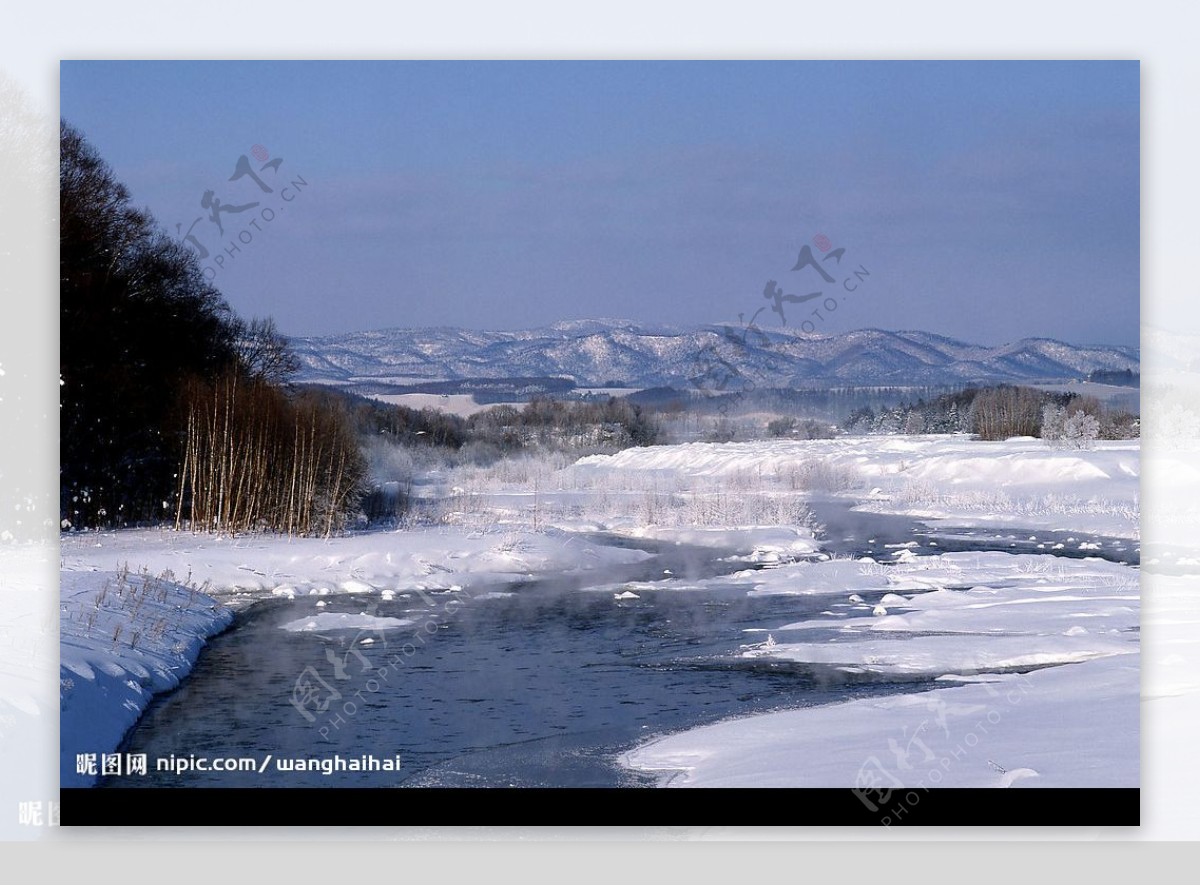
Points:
(173, 408)
(254, 458)
(542, 423)
(999, 412)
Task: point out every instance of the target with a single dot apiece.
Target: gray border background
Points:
(1161, 34)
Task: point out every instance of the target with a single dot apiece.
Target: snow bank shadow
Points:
(825, 675)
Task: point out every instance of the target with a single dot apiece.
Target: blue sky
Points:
(990, 201)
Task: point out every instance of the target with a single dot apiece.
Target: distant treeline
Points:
(508, 388)
(542, 423)
(1126, 378)
(991, 413)
(831, 403)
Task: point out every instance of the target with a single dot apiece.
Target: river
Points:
(537, 683)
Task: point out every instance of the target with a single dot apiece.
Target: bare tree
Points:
(254, 458)
(265, 352)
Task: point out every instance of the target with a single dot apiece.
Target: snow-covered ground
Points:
(123, 637)
(1018, 482)
(430, 558)
(968, 619)
(1069, 726)
(456, 404)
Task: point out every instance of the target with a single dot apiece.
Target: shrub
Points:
(781, 427)
(1080, 431)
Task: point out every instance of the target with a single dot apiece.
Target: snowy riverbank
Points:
(1039, 656)
(247, 568)
(135, 616)
(125, 637)
(1069, 726)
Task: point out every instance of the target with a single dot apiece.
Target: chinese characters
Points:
(220, 209)
(715, 369)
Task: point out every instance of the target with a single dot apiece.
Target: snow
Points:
(345, 621)
(938, 656)
(1069, 726)
(124, 638)
(935, 572)
(1020, 481)
(464, 405)
(366, 563)
(1005, 611)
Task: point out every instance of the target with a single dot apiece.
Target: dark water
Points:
(543, 687)
(854, 532)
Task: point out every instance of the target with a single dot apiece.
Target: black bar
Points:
(531, 807)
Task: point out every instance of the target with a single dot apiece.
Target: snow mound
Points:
(938, 655)
(345, 621)
(124, 637)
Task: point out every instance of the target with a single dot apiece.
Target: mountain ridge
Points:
(595, 352)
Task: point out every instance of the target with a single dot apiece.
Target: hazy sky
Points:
(988, 201)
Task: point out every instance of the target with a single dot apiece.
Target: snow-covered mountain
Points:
(598, 352)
